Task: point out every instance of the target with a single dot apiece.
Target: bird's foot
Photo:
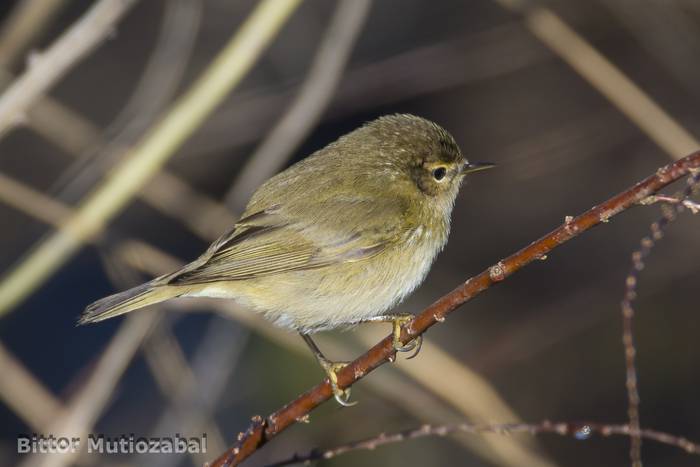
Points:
(413, 345)
(398, 320)
(342, 396)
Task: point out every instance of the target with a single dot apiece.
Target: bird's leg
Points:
(342, 396)
(398, 320)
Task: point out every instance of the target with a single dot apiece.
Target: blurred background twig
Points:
(45, 68)
(150, 154)
(305, 112)
(27, 21)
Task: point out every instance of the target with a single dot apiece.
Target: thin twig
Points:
(28, 398)
(167, 192)
(444, 375)
(47, 68)
(187, 114)
(214, 361)
(86, 406)
(155, 89)
(33, 203)
(263, 430)
(605, 77)
(62, 126)
(24, 25)
(667, 32)
(638, 257)
(691, 205)
(581, 431)
(459, 61)
(306, 110)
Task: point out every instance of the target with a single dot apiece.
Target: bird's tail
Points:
(129, 300)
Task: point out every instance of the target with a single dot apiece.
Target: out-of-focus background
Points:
(574, 100)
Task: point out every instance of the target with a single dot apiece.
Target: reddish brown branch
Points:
(580, 431)
(263, 430)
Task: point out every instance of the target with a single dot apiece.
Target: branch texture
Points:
(263, 430)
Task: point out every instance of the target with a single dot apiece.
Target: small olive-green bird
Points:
(337, 239)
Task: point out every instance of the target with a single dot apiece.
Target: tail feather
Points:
(129, 300)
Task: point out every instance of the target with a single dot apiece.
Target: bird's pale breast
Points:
(326, 298)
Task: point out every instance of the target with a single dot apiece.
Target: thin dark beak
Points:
(470, 167)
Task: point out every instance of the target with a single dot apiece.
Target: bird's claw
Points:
(342, 396)
(414, 344)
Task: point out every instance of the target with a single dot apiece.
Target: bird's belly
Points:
(342, 295)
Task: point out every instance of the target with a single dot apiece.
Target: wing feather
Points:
(270, 242)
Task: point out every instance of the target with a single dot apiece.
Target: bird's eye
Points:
(439, 173)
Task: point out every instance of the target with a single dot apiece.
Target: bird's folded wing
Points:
(268, 242)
